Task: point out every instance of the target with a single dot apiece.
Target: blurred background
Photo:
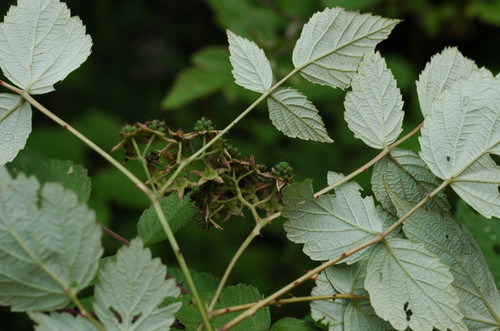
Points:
(165, 59)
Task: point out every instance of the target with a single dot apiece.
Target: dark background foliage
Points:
(140, 47)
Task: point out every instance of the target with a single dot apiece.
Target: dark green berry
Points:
(203, 124)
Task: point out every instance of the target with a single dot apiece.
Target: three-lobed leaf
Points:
(251, 68)
(410, 287)
(458, 136)
(15, 126)
(49, 244)
(331, 224)
(374, 107)
(295, 116)
(333, 43)
(133, 287)
(40, 44)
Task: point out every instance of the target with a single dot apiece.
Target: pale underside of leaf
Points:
(456, 247)
(459, 134)
(328, 312)
(134, 286)
(374, 107)
(333, 43)
(410, 287)
(295, 116)
(439, 74)
(332, 224)
(15, 126)
(40, 44)
(60, 321)
(406, 175)
(49, 244)
(251, 68)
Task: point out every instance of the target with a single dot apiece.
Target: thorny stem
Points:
(151, 195)
(380, 237)
(114, 235)
(142, 160)
(365, 167)
(278, 302)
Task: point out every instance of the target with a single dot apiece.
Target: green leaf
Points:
(328, 312)
(40, 44)
(133, 287)
(71, 176)
(332, 224)
(333, 42)
(293, 324)
(374, 107)
(348, 278)
(211, 72)
(439, 74)
(230, 296)
(251, 68)
(49, 244)
(295, 116)
(410, 287)
(458, 136)
(404, 174)
(177, 213)
(60, 321)
(456, 247)
(486, 233)
(15, 126)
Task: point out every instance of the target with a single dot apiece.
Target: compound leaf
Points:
(15, 126)
(439, 74)
(331, 224)
(295, 116)
(49, 244)
(333, 43)
(455, 246)
(60, 321)
(177, 213)
(251, 68)
(374, 107)
(410, 287)
(458, 136)
(405, 174)
(40, 44)
(133, 287)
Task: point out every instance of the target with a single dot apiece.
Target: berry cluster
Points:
(221, 181)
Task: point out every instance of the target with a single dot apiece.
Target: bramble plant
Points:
(397, 261)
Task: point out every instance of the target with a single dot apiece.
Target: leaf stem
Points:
(84, 312)
(277, 302)
(370, 163)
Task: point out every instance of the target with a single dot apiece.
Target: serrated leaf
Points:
(251, 68)
(60, 321)
(333, 43)
(49, 244)
(439, 74)
(410, 287)
(295, 116)
(15, 126)
(374, 107)
(455, 246)
(405, 174)
(40, 44)
(177, 213)
(458, 136)
(331, 224)
(238, 295)
(71, 176)
(293, 324)
(133, 287)
(486, 234)
(210, 73)
(342, 314)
